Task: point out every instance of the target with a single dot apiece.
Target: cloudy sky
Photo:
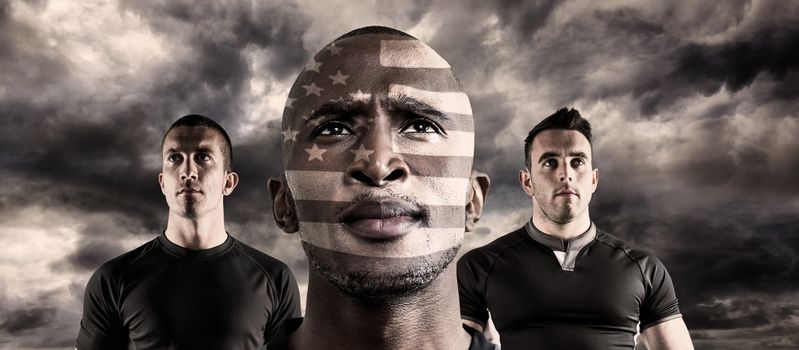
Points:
(694, 107)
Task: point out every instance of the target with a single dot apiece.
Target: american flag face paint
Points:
(378, 140)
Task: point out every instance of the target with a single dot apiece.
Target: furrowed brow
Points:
(579, 155)
(342, 107)
(548, 155)
(205, 149)
(410, 104)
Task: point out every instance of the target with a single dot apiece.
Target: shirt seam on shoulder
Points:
(494, 261)
(118, 288)
(243, 251)
(636, 261)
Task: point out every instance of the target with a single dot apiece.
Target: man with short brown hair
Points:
(194, 286)
(559, 282)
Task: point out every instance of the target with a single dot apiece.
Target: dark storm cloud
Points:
(713, 194)
(258, 158)
(705, 69)
(738, 313)
(22, 320)
(92, 253)
(99, 157)
(524, 18)
(223, 29)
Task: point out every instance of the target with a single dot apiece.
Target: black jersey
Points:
(586, 293)
(280, 340)
(163, 296)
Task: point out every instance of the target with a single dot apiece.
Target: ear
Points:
(595, 179)
(526, 181)
(231, 180)
(283, 207)
(161, 183)
(478, 190)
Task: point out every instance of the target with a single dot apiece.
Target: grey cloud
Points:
(524, 18)
(94, 253)
(748, 312)
(23, 320)
(716, 207)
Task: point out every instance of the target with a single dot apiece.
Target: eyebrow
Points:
(342, 107)
(410, 104)
(400, 102)
(203, 149)
(550, 154)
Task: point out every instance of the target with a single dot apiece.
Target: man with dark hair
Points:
(378, 141)
(559, 282)
(194, 286)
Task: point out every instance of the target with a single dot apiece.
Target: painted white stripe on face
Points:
(451, 102)
(457, 144)
(409, 54)
(419, 242)
(331, 186)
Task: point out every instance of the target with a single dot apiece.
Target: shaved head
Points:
(378, 141)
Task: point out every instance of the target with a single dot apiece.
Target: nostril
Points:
(360, 176)
(394, 175)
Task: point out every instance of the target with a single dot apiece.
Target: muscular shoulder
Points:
(646, 261)
(116, 267)
(491, 251)
(261, 260)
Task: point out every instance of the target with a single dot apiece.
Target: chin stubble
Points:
(378, 278)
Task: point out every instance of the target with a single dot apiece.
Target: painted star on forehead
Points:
(334, 50)
(313, 66)
(360, 95)
(312, 89)
(361, 153)
(289, 135)
(315, 153)
(308, 116)
(290, 102)
(339, 78)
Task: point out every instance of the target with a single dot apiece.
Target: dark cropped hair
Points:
(563, 119)
(200, 121)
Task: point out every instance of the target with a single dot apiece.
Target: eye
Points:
(550, 163)
(202, 157)
(577, 162)
(334, 127)
(174, 158)
(421, 126)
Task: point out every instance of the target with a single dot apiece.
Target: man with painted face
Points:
(559, 282)
(194, 286)
(378, 140)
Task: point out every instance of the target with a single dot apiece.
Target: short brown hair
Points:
(563, 119)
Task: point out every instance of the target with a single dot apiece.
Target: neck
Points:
(196, 233)
(429, 319)
(562, 230)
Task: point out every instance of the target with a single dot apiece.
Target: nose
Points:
(566, 173)
(374, 161)
(188, 170)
